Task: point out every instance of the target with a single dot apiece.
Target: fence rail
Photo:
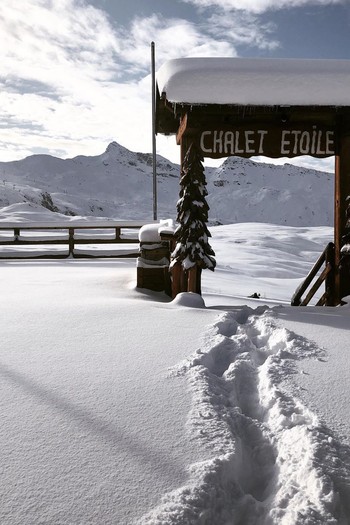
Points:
(43, 240)
(327, 275)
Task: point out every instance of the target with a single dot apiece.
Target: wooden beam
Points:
(182, 128)
(341, 193)
(192, 279)
(176, 271)
(297, 297)
(209, 115)
(316, 285)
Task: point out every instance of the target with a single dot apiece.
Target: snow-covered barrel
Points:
(153, 263)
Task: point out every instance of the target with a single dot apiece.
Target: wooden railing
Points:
(61, 240)
(327, 276)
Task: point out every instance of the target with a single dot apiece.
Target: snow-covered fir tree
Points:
(192, 234)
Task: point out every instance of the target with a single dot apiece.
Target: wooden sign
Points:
(291, 141)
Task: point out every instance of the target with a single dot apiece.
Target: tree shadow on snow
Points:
(117, 438)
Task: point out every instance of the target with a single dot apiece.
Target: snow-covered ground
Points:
(119, 406)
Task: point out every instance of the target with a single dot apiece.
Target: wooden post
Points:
(71, 241)
(199, 280)
(192, 279)
(329, 283)
(176, 274)
(183, 280)
(117, 234)
(342, 191)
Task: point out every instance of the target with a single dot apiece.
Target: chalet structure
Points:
(271, 107)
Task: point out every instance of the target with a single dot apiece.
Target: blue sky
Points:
(75, 73)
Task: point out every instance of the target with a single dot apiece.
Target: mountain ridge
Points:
(118, 184)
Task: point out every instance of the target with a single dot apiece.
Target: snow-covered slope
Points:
(119, 407)
(242, 190)
(119, 184)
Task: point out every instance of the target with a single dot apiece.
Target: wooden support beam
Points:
(329, 282)
(182, 128)
(71, 241)
(192, 279)
(176, 279)
(342, 192)
(117, 234)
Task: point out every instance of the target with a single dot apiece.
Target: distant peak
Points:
(114, 148)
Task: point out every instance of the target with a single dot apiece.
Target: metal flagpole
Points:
(154, 157)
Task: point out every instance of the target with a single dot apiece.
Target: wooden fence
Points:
(326, 276)
(74, 239)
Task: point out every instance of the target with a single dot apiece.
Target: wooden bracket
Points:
(182, 129)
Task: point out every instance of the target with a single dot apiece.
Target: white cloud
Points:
(173, 37)
(73, 80)
(62, 82)
(39, 38)
(217, 35)
(243, 28)
(260, 6)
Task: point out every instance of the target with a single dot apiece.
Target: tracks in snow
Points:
(269, 460)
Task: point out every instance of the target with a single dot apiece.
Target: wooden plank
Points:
(105, 241)
(322, 301)
(29, 242)
(316, 286)
(99, 255)
(296, 299)
(88, 240)
(169, 115)
(24, 257)
(65, 256)
(271, 140)
(78, 224)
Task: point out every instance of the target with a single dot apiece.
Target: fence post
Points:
(117, 233)
(71, 242)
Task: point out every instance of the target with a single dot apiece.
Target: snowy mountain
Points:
(116, 184)
(119, 184)
(242, 190)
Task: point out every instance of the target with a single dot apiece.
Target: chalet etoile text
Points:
(272, 142)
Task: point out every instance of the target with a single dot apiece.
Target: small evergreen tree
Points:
(192, 234)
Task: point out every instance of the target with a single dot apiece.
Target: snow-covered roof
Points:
(250, 81)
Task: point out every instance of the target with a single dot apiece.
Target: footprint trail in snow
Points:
(269, 460)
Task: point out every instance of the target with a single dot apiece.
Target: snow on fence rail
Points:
(72, 239)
